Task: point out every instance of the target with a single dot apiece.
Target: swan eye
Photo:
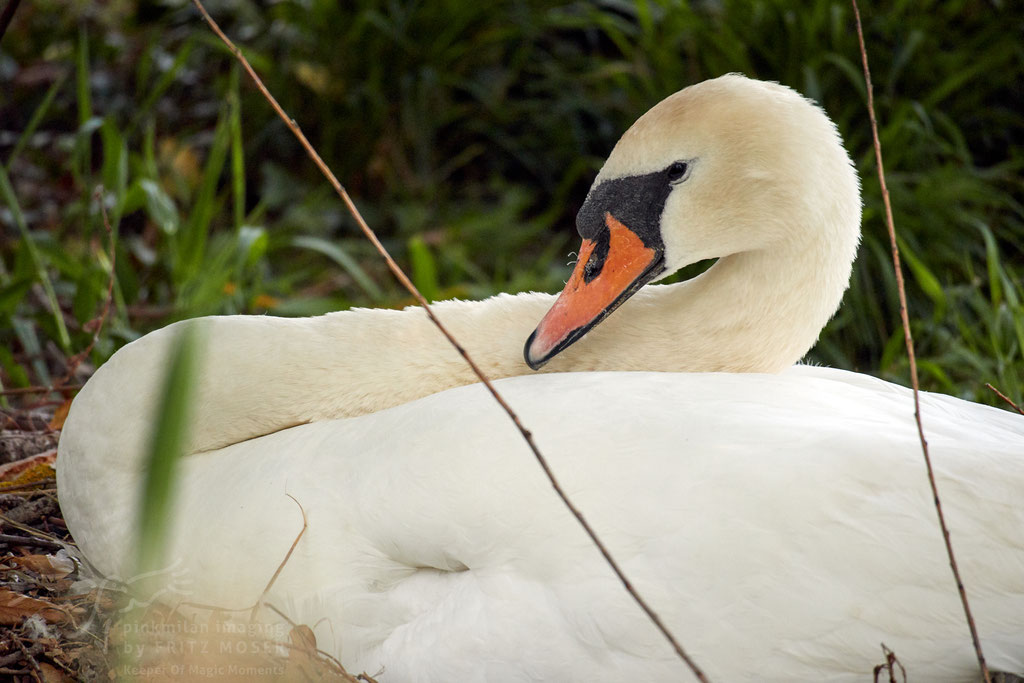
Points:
(677, 171)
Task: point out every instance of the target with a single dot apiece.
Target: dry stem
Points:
(288, 555)
(63, 389)
(407, 283)
(1005, 398)
(891, 662)
(909, 341)
(36, 672)
(313, 649)
(7, 15)
(24, 540)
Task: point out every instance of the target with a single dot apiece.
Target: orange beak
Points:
(605, 276)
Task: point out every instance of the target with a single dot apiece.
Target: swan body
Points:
(778, 518)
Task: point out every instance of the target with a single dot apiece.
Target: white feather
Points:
(781, 524)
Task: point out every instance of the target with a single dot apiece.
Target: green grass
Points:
(169, 443)
(468, 134)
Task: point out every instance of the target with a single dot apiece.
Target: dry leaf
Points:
(28, 470)
(15, 607)
(302, 639)
(59, 415)
(102, 600)
(51, 566)
(52, 674)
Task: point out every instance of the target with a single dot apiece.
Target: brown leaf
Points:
(49, 566)
(15, 607)
(302, 639)
(28, 470)
(59, 415)
(100, 599)
(52, 674)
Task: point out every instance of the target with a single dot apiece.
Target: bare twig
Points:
(15, 657)
(5, 17)
(407, 283)
(36, 672)
(1005, 398)
(42, 536)
(312, 648)
(288, 555)
(891, 662)
(25, 541)
(909, 341)
(17, 391)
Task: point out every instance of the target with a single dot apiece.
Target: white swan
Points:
(781, 524)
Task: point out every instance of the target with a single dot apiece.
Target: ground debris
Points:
(59, 622)
(19, 444)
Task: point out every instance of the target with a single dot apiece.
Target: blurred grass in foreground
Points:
(468, 134)
(171, 433)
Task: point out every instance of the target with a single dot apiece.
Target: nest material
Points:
(60, 621)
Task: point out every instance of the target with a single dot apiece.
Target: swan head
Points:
(727, 166)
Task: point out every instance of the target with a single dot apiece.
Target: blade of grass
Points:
(25, 331)
(161, 209)
(37, 118)
(169, 439)
(334, 252)
(170, 436)
(114, 171)
(82, 76)
(926, 280)
(424, 268)
(193, 235)
(161, 86)
(7, 194)
(99, 321)
(83, 148)
(237, 149)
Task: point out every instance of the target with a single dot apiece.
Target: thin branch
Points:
(909, 341)
(288, 555)
(36, 672)
(312, 648)
(40, 535)
(64, 389)
(14, 657)
(8, 539)
(1005, 398)
(891, 663)
(7, 15)
(407, 283)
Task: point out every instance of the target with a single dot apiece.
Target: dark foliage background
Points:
(468, 133)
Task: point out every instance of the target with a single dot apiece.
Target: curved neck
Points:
(757, 311)
(750, 312)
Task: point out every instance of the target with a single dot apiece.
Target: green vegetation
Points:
(170, 442)
(468, 134)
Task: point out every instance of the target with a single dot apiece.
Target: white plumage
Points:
(781, 524)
